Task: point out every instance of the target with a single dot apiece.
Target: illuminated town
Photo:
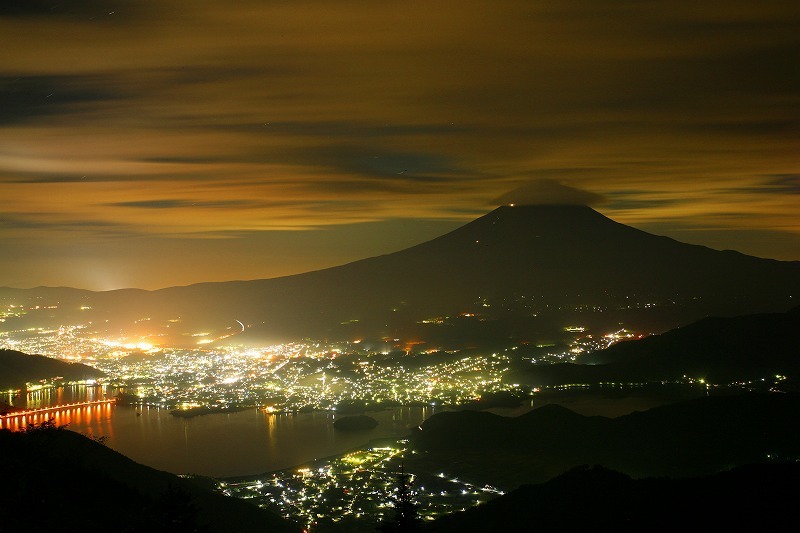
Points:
(299, 376)
(352, 490)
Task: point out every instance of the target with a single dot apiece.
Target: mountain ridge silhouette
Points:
(549, 256)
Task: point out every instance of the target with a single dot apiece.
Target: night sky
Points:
(149, 143)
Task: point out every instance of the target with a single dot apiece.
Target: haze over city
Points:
(149, 144)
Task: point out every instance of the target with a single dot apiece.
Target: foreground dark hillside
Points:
(694, 437)
(58, 480)
(748, 498)
(19, 368)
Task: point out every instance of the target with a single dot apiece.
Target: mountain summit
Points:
(559, 252)
(529, 260)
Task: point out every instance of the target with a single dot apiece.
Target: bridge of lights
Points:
(54, 408)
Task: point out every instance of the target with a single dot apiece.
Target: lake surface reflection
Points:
(241, 443)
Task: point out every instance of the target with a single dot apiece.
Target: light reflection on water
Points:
(59, 396)
(246, 442)
(241, 443)
(87, 415)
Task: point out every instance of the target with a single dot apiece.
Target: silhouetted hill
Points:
(551, 424)
(748, 498)
(718, 349)
(58, 480)
(19, 368)
(692, 437)
(529, 261)
(355, 423)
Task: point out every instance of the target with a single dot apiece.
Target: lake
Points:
(241, 443)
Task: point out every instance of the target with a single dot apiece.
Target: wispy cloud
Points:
(181, 204)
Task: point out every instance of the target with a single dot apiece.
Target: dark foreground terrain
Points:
(59, 480)
(750, 498)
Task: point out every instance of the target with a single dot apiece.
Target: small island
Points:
(355, 423)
